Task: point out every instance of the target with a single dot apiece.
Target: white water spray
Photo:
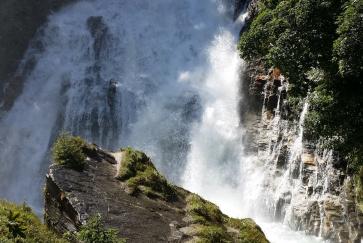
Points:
(162, 76)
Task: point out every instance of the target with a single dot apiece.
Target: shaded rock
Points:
(20, 20)
(238, 7)
(282, 157)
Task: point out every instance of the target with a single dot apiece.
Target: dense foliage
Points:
(20, 224)
(318, 44)
(69, 151)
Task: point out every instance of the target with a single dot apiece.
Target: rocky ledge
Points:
(132, 197)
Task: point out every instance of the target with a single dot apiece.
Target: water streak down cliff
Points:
(161, 76)
(305, 186)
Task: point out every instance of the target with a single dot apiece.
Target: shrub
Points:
(19, 224)
(132, 162)
(94, 231)
(68, 151)
(348, 48)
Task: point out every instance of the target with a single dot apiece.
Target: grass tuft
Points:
(141, 176)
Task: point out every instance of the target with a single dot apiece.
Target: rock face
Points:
(71, 197)
(305, 185)
(20, 19)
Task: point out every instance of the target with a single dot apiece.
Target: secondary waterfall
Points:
(160, 75)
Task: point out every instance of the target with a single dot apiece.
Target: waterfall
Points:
(161, 76)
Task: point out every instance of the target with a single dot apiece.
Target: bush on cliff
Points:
(68, 151)
(301, 36)
(19, 224)
(94, 231)
(140, 175)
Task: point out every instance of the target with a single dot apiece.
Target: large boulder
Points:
(133, 197)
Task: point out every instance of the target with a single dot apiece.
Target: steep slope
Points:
(129, 193)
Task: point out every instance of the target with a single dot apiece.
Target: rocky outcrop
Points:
(305, 185)
(20, 20)
(131, 196)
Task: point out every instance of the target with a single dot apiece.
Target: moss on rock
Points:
(249, 231)
(140, 175)
(211, 225)
(212, 234)
(202, 211)
(20, 224)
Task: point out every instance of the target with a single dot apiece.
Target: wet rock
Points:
(322, 197)
(272, 101)
(98, 30)
(282, 157)
(20, 20)
(238, 7)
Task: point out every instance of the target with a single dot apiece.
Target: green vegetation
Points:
(202, 211)
(208, 220)
(249, 231)
(68, 151)
(19, 224)
(140, 175)
(212, 234)
(95, 232)
(211, 225)
(318, 45)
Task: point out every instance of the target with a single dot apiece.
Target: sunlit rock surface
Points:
(71, 197)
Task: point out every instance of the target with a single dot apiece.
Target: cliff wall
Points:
(20, 20)
(306, 186)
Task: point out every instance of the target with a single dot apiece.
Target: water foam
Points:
(161, 75)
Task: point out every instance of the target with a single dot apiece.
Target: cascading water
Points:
(159, 75)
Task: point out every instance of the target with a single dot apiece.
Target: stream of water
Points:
(162, 76)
